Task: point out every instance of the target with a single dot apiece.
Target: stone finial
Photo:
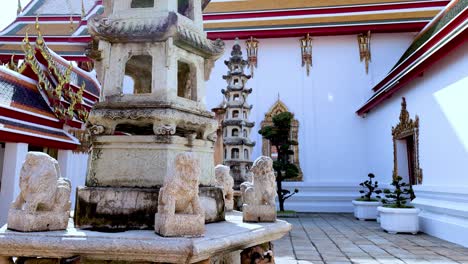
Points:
(259, 195)
(179, 211)
(225, 181)
(43, 203)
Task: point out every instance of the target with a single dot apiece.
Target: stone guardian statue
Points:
(43, 203)
(259, 195)
(225, 181)
(179, 211)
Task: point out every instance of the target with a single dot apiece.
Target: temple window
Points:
(186, 8)
(236, 81)
(235, 132)
(236, 97)
(244, 133)
(234, 153)
(142, 4)
(225, 132)
(246, 154)
(138, 75)
(225, 153)
(245, 114)
(186, 81)
(406, 148)
(235, 114)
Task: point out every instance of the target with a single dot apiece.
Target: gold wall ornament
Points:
(364, 41)
(277, 108)
(252, 53)
(407, 127)
(306, 51)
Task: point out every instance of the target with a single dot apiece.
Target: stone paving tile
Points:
(340, 239)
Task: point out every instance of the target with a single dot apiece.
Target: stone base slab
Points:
(179, 225)
(259, 213)
(22, 221)
(142, 245)
(115, 209)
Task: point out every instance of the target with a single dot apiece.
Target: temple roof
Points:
(44, 97)
(446, 31)
(229, 19)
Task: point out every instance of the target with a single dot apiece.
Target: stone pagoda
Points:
(237, 144)
(138, 131)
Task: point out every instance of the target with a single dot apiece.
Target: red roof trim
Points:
(29, 118)
(327, 10)
(415, 72)
(71, 39)
(14, 137)
(320, 31)
(440, 35)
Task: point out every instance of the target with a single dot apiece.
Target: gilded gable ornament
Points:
(252, 53)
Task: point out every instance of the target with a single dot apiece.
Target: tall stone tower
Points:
(237, 144)
(160, 45)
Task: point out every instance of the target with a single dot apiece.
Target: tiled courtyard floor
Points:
(339, 238)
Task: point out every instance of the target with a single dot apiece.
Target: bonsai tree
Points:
(370, 188)
(398, 197)
(279, 136)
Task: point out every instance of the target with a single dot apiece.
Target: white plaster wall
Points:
(439, 98)
(331, 135)
(2, 153)
(73, 166)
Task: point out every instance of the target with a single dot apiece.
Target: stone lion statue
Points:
(42, 191)
(41, 186)
(179, 210)
(259, 195)
(225, 181)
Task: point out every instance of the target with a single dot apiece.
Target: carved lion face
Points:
(262, 165)
(188, 167)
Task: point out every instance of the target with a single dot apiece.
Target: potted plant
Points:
(396, 216)
(365, 208)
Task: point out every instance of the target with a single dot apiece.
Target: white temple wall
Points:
(74, 167)
(439, 99)
(331, 136)
(14, 156)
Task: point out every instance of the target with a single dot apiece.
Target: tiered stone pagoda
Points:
(162, 47)
(237, 144)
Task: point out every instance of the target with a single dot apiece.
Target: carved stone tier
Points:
(104, 209)
(238, 122)
(156, 29)
(143, 161)
(239, 141)
(141, 246)
(163, 119)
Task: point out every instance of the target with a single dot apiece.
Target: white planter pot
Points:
(399, 220)
(366, 210)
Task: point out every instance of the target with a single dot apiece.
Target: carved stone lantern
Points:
(138, 131)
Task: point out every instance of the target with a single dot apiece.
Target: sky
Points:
(8, 11)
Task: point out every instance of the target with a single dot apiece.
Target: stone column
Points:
(15, 154)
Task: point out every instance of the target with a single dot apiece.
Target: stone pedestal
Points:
(141, 245)
(37, 221)
(143, 161)
(179, 225)
(259, 213)
(114, 209)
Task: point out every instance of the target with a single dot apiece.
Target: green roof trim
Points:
(449, 14)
